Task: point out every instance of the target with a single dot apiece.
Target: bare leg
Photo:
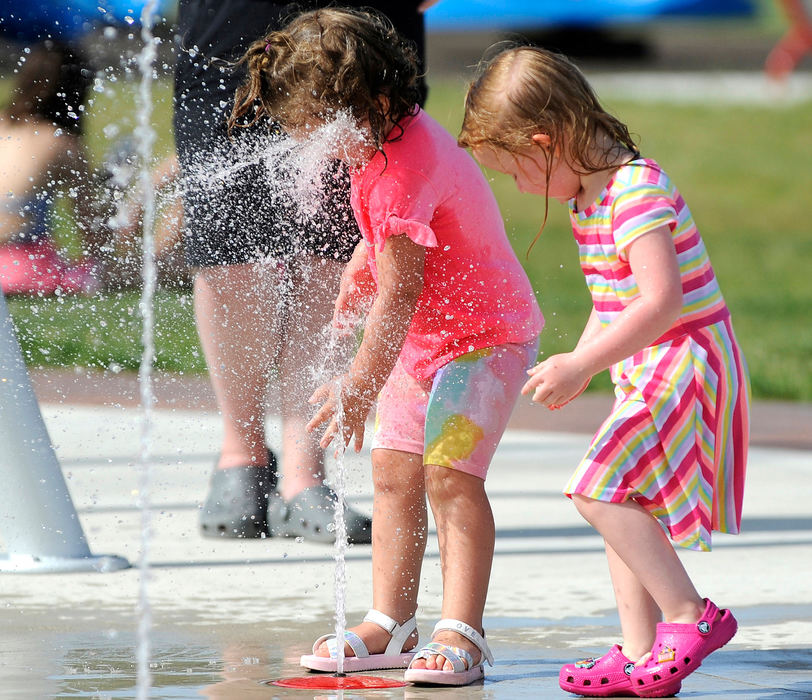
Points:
(239, 334)
(637, 539)
(638, 612)
(398, 543)
(312, 290)
(465, 531)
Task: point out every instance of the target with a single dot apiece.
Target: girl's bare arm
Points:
(400, 283)
(356, 291)
(653, 260)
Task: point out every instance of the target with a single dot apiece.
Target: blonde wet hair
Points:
(527, 90)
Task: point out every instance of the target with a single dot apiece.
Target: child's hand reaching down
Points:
(556, 381)
(356, 402)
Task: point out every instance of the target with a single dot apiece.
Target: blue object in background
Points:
(34, 20)
(30, 20)
(468, 15)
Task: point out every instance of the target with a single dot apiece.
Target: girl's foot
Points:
(604, 677)
(444, 662)
(378, 642)
(375, 638)
(679, 649)
(437, 662)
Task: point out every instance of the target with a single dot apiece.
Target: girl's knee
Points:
(589, 508)
(394, 471)
(443, 483)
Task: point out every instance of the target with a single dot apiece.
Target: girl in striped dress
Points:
(670, 458)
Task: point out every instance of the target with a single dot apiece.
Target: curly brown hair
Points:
(325, 61)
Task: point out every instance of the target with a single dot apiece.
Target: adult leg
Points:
(639, 541)
(398, 544)
(305, 361)
(465, 532)
(309, 356)
(239, 331)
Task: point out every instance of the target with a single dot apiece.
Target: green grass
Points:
(104, 332)
(743, 170)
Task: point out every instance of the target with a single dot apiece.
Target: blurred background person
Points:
(264, 284)
(126, 222)
(796, 43)
(42, 158)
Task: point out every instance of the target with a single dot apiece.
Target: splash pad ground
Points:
(230, 615)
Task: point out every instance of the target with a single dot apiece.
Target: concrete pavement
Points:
(228, 615)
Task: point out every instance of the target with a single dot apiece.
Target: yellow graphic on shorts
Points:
(457, 440)
(474, 355)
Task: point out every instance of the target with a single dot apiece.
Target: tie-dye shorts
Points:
(456, 418)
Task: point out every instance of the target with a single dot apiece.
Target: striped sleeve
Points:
(638, 210)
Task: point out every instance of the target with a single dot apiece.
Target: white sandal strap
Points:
(356, 644)
(320, 641)
(382, 620)
(400, 633)
(468, 632)
(459, 659)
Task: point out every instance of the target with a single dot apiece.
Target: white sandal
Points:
(464, 671)
(392, 657)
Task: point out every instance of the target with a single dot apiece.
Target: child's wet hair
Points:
(526, 90)
(326, 61)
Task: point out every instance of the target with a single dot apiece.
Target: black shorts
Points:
(234, 211)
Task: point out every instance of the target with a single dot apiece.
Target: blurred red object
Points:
(37, 269)
(797, 42)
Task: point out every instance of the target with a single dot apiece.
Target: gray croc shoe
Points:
(309, 515)
(237, 502)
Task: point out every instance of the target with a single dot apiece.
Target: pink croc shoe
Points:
(679, 650)
(604, 677)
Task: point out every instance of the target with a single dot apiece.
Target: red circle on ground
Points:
(338, 682)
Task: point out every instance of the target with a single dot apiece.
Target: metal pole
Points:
(38, 522)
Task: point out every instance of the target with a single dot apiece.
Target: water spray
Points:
(338, 680)
(145, 138)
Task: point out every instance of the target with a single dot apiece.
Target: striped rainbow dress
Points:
(676, 440)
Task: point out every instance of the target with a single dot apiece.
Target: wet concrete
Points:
(229, 615)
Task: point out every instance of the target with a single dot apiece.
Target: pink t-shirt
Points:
(475, 292)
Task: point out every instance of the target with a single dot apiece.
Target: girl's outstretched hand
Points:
(356, 402)
(556, 381)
